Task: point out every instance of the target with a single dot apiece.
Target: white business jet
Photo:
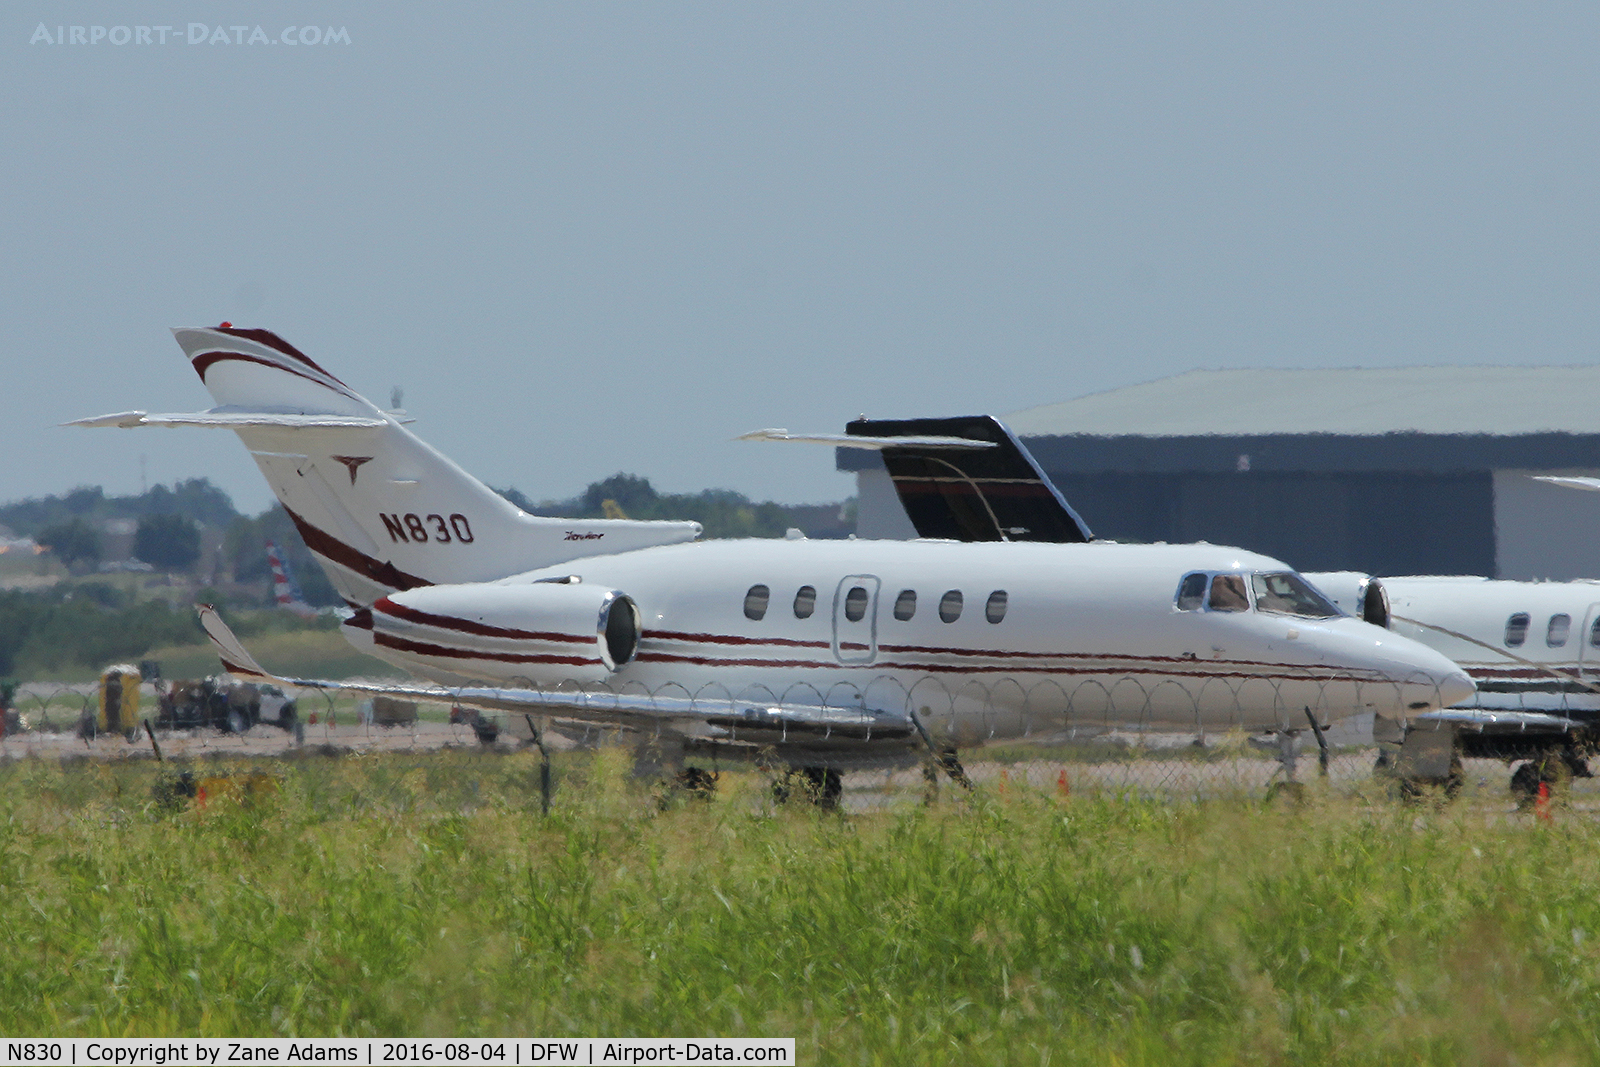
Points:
(1532, 648)
(1006, 620)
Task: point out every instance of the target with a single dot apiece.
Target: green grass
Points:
(425, 895)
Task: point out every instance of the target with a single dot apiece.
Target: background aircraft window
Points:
(905, 605)
(995, 609)
(805, 602)
(1227, 593)
(1192, 592)
(1555, 635)
(950, 606)
(1517, 629)
(1594, 634)
(755, 602)
(1286, 593)
(855, 603)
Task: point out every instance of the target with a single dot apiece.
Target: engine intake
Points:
(1357, 594)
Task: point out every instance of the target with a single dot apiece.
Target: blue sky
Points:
(601, 237)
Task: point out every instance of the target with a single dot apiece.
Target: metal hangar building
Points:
(1412, 470)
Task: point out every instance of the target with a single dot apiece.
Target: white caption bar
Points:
(513, 1051)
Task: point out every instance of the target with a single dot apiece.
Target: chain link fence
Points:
(1125, 737)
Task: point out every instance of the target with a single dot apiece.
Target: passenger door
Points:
(855, 619)
(1588, 656)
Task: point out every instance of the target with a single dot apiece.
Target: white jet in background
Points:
(1007, 620)
(1533, 650)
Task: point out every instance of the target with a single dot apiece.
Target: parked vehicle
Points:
(226, 705)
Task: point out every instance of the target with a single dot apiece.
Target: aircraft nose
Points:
(1456, 688)
(1437, 684)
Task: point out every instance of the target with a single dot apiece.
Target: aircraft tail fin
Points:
(380, 509)
(994, 493)
(284, 590)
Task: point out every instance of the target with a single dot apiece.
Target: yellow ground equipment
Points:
(119, 700)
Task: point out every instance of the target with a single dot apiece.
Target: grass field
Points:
(426, 895)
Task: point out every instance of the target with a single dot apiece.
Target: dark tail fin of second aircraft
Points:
(996, 493)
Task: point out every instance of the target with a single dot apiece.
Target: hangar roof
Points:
(1492, 401)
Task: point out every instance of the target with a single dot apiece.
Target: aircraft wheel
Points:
(697, 782)
(238, 722)
(1288, 792)
(822, 786)
(1548, 770)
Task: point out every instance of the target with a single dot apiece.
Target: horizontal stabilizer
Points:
(1592, 484)
(840, 440)
(231, 420)
(993, 493)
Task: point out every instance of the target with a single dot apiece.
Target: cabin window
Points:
(755, 602)
(1227, 593)
(905, 605)
(805, 602)
(995, 609)
(1192, 592)
(1286, 593)
(950, 606)
(855, 603)
(1517, 630)
(1555, 635)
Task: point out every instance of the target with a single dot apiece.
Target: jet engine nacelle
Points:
(1355, 593)
(536, 631)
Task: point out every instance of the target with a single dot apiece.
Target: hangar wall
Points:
(1544, 530)
(1392, 471)
(1497, 522)
(1378, 522)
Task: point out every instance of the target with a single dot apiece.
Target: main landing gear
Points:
(1287, 745)
(822, 786)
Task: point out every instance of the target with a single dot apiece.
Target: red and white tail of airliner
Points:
(284, 591)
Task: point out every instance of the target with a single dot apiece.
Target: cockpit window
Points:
(1227, 593)
(1286, 593)
(1192, 592)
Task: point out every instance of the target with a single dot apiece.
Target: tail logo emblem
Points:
(353, 463)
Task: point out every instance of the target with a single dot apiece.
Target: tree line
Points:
(169, 522)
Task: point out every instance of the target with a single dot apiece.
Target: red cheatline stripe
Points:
(276, 343)
(206, 360)
(467, 626)
(423, 648)
(967, 668)
(331, 548)
(234, 668)
(734, 641)
(1524, 672)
